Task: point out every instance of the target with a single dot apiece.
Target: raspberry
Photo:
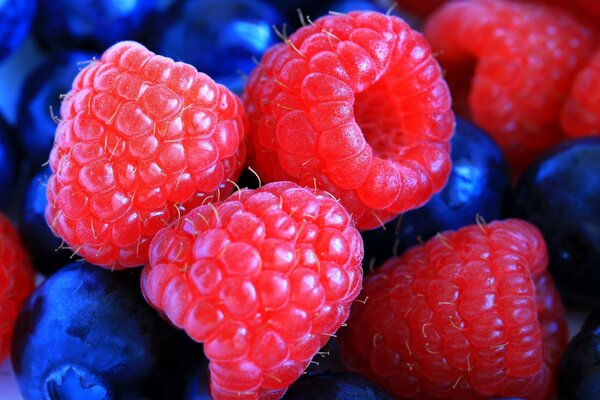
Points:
(522, 59)
(470, 314)
(420, 7)
(142, 139)
(263, 279)
(16, 281)
(580, 115)
(356, 105)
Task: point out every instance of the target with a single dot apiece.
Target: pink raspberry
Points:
(16, 281)
(354, 104)
(580, 115)
(510, 66)
(469, 315)
(262, 279)
(141, 140)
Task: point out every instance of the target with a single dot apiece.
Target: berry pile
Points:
(218, 207)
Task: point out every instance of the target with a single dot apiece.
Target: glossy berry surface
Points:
(16, 17)
(335, 386)
(315, 106)
(262, 279)
(93, 25)
(222, 38)
(478, 186)
(580, 115)
(9, 162)
(346, 6)
(579, 372)
(40, 97)
(560, 194)
(518, 79)
(46, 251)
(470, 314)
(141, 140)
(86, 333)
(16, 281)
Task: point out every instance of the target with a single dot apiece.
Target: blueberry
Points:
(222, 38)
(42, 92)
(478, 185)
(345, 6)
(579, 371)
(93, 25)
(45, 249)
(15, 20)
(335, 386)
(9, 160)
(87, 333)
(560, 194)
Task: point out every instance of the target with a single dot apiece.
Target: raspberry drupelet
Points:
(262, 279)
(580, 115)
(141, 140)
(16, 281)
(510, 66)
(470, 314)
(354, 104)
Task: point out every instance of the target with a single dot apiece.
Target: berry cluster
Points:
(350, 123)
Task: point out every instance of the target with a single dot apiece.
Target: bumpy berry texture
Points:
(16, 281)
(470, 314)
(263, 279)
(354, 104)
(141, 140)
(520, 60)
(580, 115)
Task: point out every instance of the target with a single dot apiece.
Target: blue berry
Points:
(478, 185)
(335, 386)
(9, 162)
(345, 6)
(45, 249)
(42, 90)
(15, 20)
(94, 25)
(579, 371)
(87, 333)
(219, 37)
(560, 194)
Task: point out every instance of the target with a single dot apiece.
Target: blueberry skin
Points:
(9, 164)
(42, 89)
(222, 38)
(478, 185)
(16, 17)
(87, 333)
(335, 386)
(579, 372)
(560, 194)
(44, 248)
(345, 6)
(93, 24)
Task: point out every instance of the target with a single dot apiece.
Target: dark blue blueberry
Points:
(222, 38)
(335, 386)
(9, 164)
(45, 249)
(15, 20)
(87, 333)
(560, 194)
(345, 6)
(478, 185)
(93, 24)
(42, 91)
(579, 371)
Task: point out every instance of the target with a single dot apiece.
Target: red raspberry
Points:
(581, 113)
(524, 59)
(263, 279)
(420, 7)
(354, 104)
(470, 314)
(16, 281)
(142, 139)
